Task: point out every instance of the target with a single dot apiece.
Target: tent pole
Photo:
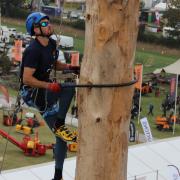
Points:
(175, 104)
(139, 110)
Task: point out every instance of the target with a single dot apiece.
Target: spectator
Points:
(151, 107)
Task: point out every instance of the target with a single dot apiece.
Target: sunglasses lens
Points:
(44, 24)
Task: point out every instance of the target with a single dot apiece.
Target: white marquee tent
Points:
(161, 6)
(147, 161)
(172, 68)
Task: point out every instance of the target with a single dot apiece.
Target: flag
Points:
(157, 18)
(132, 132)
(173, 87)
(35, 5)
(58, 3)
(138, 70)
(17, 50)
(5, 92)
(75, 59)
(146, 129)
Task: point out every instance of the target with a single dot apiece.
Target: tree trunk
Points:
(111, 32)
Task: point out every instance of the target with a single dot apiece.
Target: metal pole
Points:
(175, 104)
(157, 174)
(140, 97)
(139, 110)
(0, 15)
(39, 5)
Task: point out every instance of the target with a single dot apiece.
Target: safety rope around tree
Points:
(71, 85)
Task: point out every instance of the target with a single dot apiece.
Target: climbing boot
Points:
(57, 174)
(65, 134)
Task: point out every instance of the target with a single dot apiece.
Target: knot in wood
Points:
(98, 119)
(103, 32)
(117, 6)
(88, 16)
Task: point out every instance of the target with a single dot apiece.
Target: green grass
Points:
(14, 156)
(70, 6)
(79, 44)
(150, 60)
(153, 60)
(19, 26)
(12, 92)
(156, 101)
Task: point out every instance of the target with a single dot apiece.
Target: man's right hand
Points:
(74, 69)
(54, 87)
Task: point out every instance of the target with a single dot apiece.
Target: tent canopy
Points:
(172, 68)
(161, 7)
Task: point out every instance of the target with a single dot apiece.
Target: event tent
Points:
(161, 6)
(173, 68)
(146, 161)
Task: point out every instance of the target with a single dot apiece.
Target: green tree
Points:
(6, 4)
(141, 5)
(5, 63)
(172, 15)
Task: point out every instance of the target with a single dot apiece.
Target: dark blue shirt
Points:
(42, 60)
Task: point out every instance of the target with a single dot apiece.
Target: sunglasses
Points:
(44, 24)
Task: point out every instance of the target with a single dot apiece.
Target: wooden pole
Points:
(104, 114)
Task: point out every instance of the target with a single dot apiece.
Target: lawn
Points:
(156, 101)
(150, 60)
(14, 156)
(153, 60)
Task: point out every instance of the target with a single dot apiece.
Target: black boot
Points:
(57, 174)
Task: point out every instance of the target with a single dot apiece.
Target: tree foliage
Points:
(173, 17)
(6, 4)
(5, 63)
(175, 3)
(141, 5)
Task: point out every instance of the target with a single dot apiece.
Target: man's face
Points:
(45, 26)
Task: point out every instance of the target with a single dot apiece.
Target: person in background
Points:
(39, 91)
(151, 107)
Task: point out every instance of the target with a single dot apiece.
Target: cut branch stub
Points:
(104, 33)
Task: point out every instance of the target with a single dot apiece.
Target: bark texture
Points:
(111, 33)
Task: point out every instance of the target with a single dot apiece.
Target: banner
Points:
(132, 132)
(146, 129)
(59, 3)
(138, 70)
(5, 92)
(35, 5)
(75, 59)
(173, 172)
(17, 50)
(157, 18)
(173, 87)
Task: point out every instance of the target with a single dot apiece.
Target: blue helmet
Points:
(34, 18)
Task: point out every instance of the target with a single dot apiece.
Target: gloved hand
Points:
(54, 87)
(75, 69)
